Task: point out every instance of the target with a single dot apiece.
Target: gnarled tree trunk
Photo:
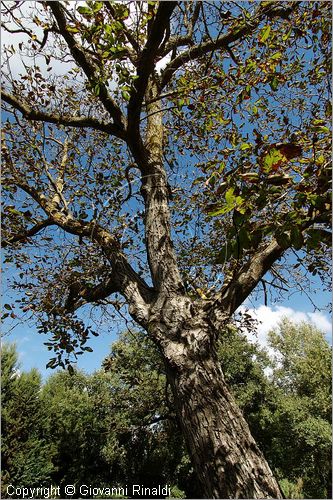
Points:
(226, 458)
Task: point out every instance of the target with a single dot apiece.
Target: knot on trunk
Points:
(180, 327)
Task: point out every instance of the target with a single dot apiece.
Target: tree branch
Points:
(123, 277)
(71, 121)
(246, 279)
(27, 234)
(88, 66)
(146, 63)
(67, 222)
(223, 42)
(178, 41)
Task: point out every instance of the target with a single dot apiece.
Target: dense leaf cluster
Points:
(118, 426)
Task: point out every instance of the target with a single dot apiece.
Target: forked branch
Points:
(242, 28)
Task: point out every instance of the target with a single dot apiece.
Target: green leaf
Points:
(264, 34)
(272, 159)
(318, 122)
(320, 160)
(322, 130)
(245, 146)
(240, 204)
(97, 6)
(287, 35)
(296, 237)
(8, 307)
(125, 95)
(97, 89)
(274, 83)
(73, 29)
(283, 240)
(277, 56)
(219, 211)
(232, 202)
(229, 196)
(85, 11)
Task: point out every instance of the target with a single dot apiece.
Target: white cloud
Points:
(269, 317)
(321, 321)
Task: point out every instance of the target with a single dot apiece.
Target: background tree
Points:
(118, 426)
(76, 428)
(144, 418)
(25, 454)
(217, 113)
(302, 419)
(288, 409)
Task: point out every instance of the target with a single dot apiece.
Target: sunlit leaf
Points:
(272, 160)
(264, 34)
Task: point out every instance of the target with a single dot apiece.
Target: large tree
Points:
(166, 157)
(26, 456)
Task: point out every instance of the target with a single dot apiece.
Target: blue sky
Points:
(33, 352)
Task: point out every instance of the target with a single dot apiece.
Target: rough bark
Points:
(224, 454)
(226, 458)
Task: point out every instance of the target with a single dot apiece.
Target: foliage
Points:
(26, 454)
(162, 157)
(257, 161)
(302, 420)
(302, 364)
(76, 430)
(118, 425)
(143, 416)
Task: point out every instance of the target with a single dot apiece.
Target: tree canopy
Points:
(247, 172)
(162, 160)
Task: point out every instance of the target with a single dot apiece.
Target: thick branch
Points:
(71, 121)
(67, 222)
(88, 66)
(160, 251)
(235, 291)
(222, 42)
(239, 288)
(146, 63)
(123, 278)
(179, 41)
